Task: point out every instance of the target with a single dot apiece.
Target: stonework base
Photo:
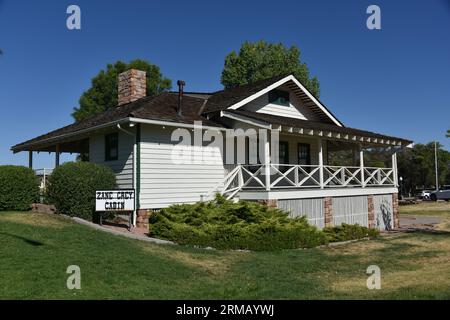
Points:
(142, 218)
(271, 203)
(371, 211)
(328, 211)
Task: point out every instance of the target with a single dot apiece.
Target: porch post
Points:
(394, 169)
(361, 166)
(30, 159)
(320, 148)
(57, 156)
(267, 163)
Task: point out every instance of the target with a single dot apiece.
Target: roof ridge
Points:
(255, 83)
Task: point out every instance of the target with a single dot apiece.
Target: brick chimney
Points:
(131, 86)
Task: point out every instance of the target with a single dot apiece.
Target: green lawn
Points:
(427, 208)
(36, 250)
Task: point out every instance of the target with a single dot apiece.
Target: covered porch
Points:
(315, 162)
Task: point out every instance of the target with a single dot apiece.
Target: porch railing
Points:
(281, 176)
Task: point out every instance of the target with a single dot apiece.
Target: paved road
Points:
(407, 221)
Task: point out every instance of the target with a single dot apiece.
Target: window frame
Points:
(286, 156)
(308, 160)
(275, 94)
(111, 140)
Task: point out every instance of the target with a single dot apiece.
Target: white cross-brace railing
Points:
(303, 176)
(378, 176)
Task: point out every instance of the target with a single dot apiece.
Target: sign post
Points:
(120, 200)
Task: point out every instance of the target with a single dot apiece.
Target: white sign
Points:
(114, 200)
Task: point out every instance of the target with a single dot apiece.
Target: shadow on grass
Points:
(26, 240)
(432, 232)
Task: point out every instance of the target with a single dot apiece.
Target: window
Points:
(111, 147)
(284, 153)
(304, 154)
(255, 152)
(279, 97)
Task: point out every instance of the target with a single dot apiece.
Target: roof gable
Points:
(309, 100)
(295, 108)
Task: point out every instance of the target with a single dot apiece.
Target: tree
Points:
(416, 166)
(262, 60)
(103, 92)
(448, 134)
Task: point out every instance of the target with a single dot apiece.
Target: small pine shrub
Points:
(71, 187)
(346, 232)
(19, 188)
(224, 224)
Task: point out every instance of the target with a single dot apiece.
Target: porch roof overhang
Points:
(70, 138)
(316, 129)
(77, 141)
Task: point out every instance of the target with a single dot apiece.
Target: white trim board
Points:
(246, 120)
(314, 193)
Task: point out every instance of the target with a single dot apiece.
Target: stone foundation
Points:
(371, 211)
(328, 211)
(271, 203)
(142, 218)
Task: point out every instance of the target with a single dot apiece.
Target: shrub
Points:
(346, 232)
(224, 224)
(71, 187)
(19, 188)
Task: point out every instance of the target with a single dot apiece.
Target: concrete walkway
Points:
(418, 222)
(124, 233)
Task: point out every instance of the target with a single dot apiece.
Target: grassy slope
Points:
(36, 250)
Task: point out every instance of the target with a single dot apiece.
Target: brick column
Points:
(371, 211)
(142, 218)
(395, 210)
(328, 211)
(271, 203)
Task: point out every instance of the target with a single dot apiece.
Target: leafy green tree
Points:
(103, 92)
(416, 167)
(448, 134)
(262, 60)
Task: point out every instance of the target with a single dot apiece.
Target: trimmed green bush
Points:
(71, 187)
(224, 224)
(346, 232)
(19, 188)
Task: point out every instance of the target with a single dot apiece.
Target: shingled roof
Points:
(195, 107)
(162, 107)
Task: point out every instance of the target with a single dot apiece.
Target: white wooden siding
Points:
(123, 166)
(383, 211)
(311, 208)
(350, 210)
(296, 108)
(165, 182)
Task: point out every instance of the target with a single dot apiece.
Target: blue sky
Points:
(394, 81)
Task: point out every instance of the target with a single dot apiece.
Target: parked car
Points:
(424, 194)
(441, 194)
